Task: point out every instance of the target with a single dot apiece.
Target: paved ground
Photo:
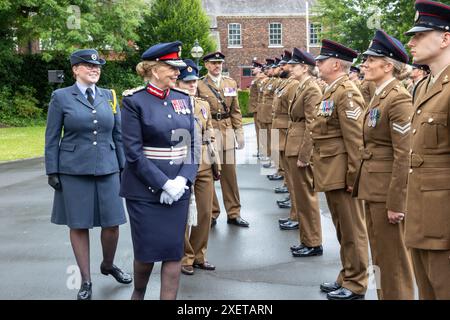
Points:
(255, 263)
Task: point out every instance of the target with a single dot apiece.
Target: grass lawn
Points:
(247, 120)
(21, 143)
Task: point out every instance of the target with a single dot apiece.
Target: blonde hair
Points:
(401, 72)
(144, 68)
(312, 70)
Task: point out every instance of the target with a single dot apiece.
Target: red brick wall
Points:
(255, 40)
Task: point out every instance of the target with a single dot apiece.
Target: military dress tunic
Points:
(87, 157)
(427, 228)
(158, 137)
(382, 184)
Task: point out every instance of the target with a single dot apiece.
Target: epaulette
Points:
(180, 90)
(130, 92)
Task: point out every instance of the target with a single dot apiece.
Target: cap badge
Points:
(94, 57)
(189, 69)
(416, 17)
(217, 55)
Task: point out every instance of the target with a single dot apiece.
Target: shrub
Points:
(243, 96)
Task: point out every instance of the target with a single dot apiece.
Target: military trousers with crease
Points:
(288, 178)
(390, 257)
(229, 185)
(265, 139)
(348, 218)
(196, 237)
(306, 202)
(432, 271)
(257, 127)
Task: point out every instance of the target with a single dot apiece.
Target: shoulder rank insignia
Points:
(130, 92)
(353, 114)
(402, 129)
(374, 116)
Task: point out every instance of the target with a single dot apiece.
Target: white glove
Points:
(176, 187)
(165, 198)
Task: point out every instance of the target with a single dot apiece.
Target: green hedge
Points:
(24, 98)
(243, 96)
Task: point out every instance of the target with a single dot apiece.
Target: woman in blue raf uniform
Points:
(158, 136)
(83, 165)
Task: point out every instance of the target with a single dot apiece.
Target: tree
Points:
(171, 20)
(63, 25)
(353, 22)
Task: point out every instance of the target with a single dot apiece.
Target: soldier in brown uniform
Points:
(419, 71)
(337, 136)
(196, 237)
(384, 170)
(253, 98)
(366, 87)
(221, 94)
(298, 153)
(428, 200)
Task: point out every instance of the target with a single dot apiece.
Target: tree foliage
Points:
(171, 20)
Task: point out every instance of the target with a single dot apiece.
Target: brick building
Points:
(248, 29)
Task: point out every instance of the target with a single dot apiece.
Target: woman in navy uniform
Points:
(83, 165)
(384, 168)
(158, 131)
(196, 238)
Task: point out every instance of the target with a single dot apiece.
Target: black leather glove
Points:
(53, 181)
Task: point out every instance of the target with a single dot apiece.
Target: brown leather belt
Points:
(430, 161)
(220, 116)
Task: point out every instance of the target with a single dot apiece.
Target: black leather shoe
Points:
(290, 225)
(238, 222)
(281, 189)
(284, 220)
(343, 294)
(285, 205)
(308, 252)
(297, 247)
(118, 274)
(213, 222)
(275, 177)
(288, 198)
(329, 286)
(85, 292)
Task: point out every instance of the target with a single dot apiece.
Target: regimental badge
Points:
(204, 113)
(374, 117)
(229, 92)
(94, 57)
(417, 16)
(217, 55)
(326, 108)
(189, 69)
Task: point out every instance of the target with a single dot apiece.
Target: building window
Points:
(234, 35)
(246, 72)
(275, 34)
(315, 30)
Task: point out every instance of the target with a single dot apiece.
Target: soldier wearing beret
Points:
(222, 95)
(337, 136)
(383, 172)
(428, 201)
(196, 237)
(83, 165)
(158, 137)
(298, 152)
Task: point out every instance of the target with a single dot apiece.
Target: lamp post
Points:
(197, 53)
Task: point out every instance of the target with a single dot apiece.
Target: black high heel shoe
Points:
(85, 292)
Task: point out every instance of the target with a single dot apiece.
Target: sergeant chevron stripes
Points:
(353, 114)
(401, 129)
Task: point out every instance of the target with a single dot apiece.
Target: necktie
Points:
(90, 98)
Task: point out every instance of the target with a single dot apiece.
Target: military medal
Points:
(176, 106)
(374, 116)
(204, 113)
(326, 108)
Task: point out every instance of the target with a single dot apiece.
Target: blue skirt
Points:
(157, 230)
(88, 201)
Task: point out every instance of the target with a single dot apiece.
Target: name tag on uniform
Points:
(229, 92)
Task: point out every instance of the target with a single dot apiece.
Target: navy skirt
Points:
(157, 230)
(88, 201)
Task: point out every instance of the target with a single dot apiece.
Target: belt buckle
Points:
(218, 116)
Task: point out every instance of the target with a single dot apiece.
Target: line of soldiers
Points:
(380, 154)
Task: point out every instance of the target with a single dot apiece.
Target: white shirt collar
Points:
(384, 85)
(83, 88)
